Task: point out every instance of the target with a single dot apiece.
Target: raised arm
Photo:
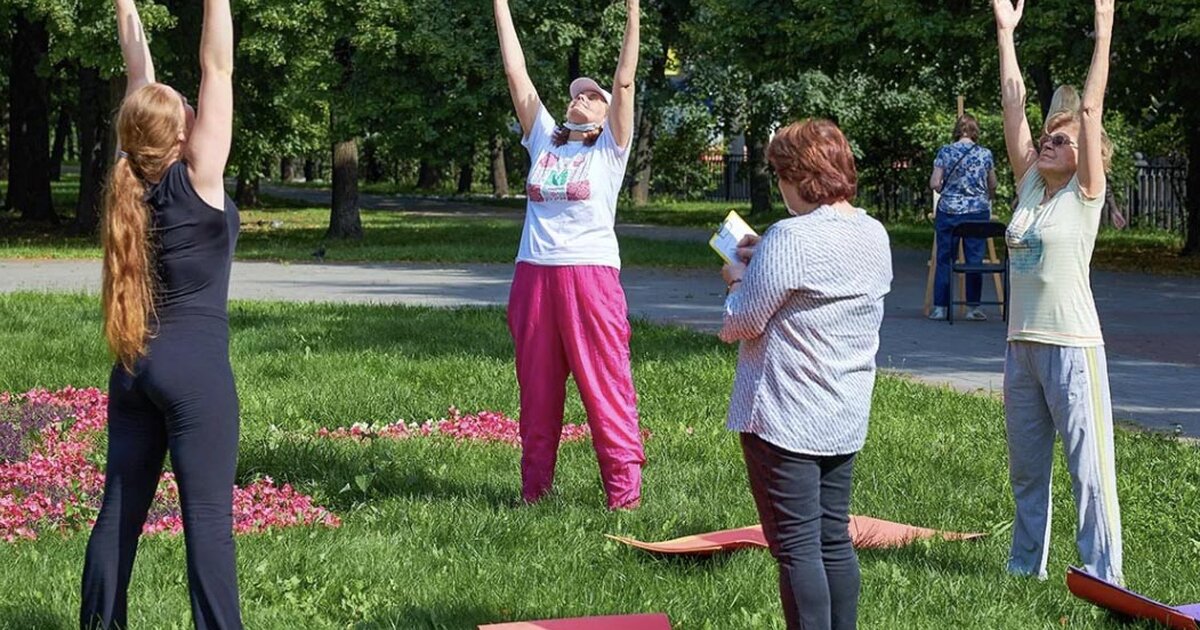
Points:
(1022, 153)
(208, 146)
(620, 113)
(525, 98)
(1091, 160)
(139, 67)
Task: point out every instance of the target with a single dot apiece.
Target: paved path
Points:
(1152, 324)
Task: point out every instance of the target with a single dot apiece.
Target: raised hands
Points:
(1091, 167)
(208, 144)
(1007, 15)
(1104, 17)
(139, 67)
(620, 114)
(524, 95)
(1017, 138)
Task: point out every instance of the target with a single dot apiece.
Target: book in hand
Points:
(732, 230)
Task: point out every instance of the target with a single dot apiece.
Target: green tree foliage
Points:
(418, 82)
(282, 84)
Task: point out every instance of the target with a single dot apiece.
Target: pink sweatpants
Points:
(573, 320)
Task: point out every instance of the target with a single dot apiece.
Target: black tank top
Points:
(193, 245)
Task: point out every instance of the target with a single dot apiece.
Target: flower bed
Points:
(485, 426)
(52, 474)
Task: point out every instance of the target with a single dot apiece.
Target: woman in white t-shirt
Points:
(1055, 375)
(566, 309)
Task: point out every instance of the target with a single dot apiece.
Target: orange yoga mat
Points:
(1112, 597)
(865, 532)
(624, 622)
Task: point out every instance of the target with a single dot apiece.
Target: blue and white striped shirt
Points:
(808, 315)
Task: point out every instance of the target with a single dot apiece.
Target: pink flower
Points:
(485, 427)
(57, 487)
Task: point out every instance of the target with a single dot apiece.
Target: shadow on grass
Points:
(686, 561)
(421, 332)
(939, 558)
(409, 331)
(347, 473)
(27, 617)
(451, 614)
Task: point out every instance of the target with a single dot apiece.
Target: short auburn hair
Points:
(814, 156)
(966, 127)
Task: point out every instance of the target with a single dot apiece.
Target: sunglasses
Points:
(1057, 140)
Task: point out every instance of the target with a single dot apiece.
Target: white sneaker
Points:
(938, 312)
(977, 315)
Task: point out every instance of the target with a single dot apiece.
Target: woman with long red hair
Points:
(169, 231)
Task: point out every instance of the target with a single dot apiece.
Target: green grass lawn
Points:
(434, 541)
(388, 237)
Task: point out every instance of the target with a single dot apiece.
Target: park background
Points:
(403, 103)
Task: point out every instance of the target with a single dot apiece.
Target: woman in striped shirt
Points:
(806, 308)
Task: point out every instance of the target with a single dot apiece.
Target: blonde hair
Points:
(148, 127)
(1064, 110)
(1065, 98)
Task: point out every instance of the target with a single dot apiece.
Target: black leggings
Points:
(182, 400)
(804, 504)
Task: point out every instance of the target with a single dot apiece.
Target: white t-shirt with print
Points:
(572, 191)
(1050, 253)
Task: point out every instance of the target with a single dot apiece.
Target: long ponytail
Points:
(148, 128)
(127, 294)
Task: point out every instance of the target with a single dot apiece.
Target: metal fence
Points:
(1154, 199)
(727, 178)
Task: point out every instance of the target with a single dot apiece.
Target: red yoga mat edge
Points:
(644, 621)
(1112, 597)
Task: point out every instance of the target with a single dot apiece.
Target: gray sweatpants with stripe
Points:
(1049, 389)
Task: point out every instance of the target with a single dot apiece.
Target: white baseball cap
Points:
(584, 84)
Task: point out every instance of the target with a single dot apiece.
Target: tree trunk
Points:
(310, 169)
(1191, 245)
(499, 167)
(573, 71)
(428, 176)
(4, 133)
(1044, 85)
(247, 190)
(760, 178)
(643, 152)
(96, 140)
(466, 173)
(372, 168)
(344, 219)
(72, 151)
(29, 123)
(5, 52)
(62, 131)
(287, 169)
